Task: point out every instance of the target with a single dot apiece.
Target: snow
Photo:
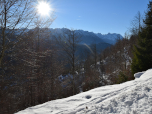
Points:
(132, 97)
(137, 75)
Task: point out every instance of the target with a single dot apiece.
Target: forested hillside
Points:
(40, 64)
(39, 69)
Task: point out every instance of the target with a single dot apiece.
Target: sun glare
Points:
(43, 8)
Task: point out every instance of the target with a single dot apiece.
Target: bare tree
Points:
(69, 41)
(13, 14)
(95, 54)
(15, 17)
(136, 24)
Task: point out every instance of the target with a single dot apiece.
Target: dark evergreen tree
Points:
(142, 52)
(122, 77)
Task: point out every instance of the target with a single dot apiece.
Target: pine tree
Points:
(122, 77)
(142, 52)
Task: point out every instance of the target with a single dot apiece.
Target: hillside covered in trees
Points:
(39, 64)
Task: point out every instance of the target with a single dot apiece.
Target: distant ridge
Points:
(91, 37)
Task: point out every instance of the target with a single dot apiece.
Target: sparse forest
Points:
(35, 68)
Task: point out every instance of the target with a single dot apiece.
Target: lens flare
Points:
(43, 8)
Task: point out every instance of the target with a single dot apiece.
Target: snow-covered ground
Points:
(132, 97)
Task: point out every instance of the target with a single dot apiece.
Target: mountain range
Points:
(102, 41)
(90, 37)
(86, 36)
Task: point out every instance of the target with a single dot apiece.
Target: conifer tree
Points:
(142, 52)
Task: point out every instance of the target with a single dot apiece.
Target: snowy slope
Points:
(132, 97)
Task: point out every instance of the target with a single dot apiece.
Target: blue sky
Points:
(99, 16)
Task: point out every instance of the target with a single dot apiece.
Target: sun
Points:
(43, 8)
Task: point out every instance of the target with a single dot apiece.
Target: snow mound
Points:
(132, 97)
(137, 75)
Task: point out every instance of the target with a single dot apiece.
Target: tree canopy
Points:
(142, 52)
